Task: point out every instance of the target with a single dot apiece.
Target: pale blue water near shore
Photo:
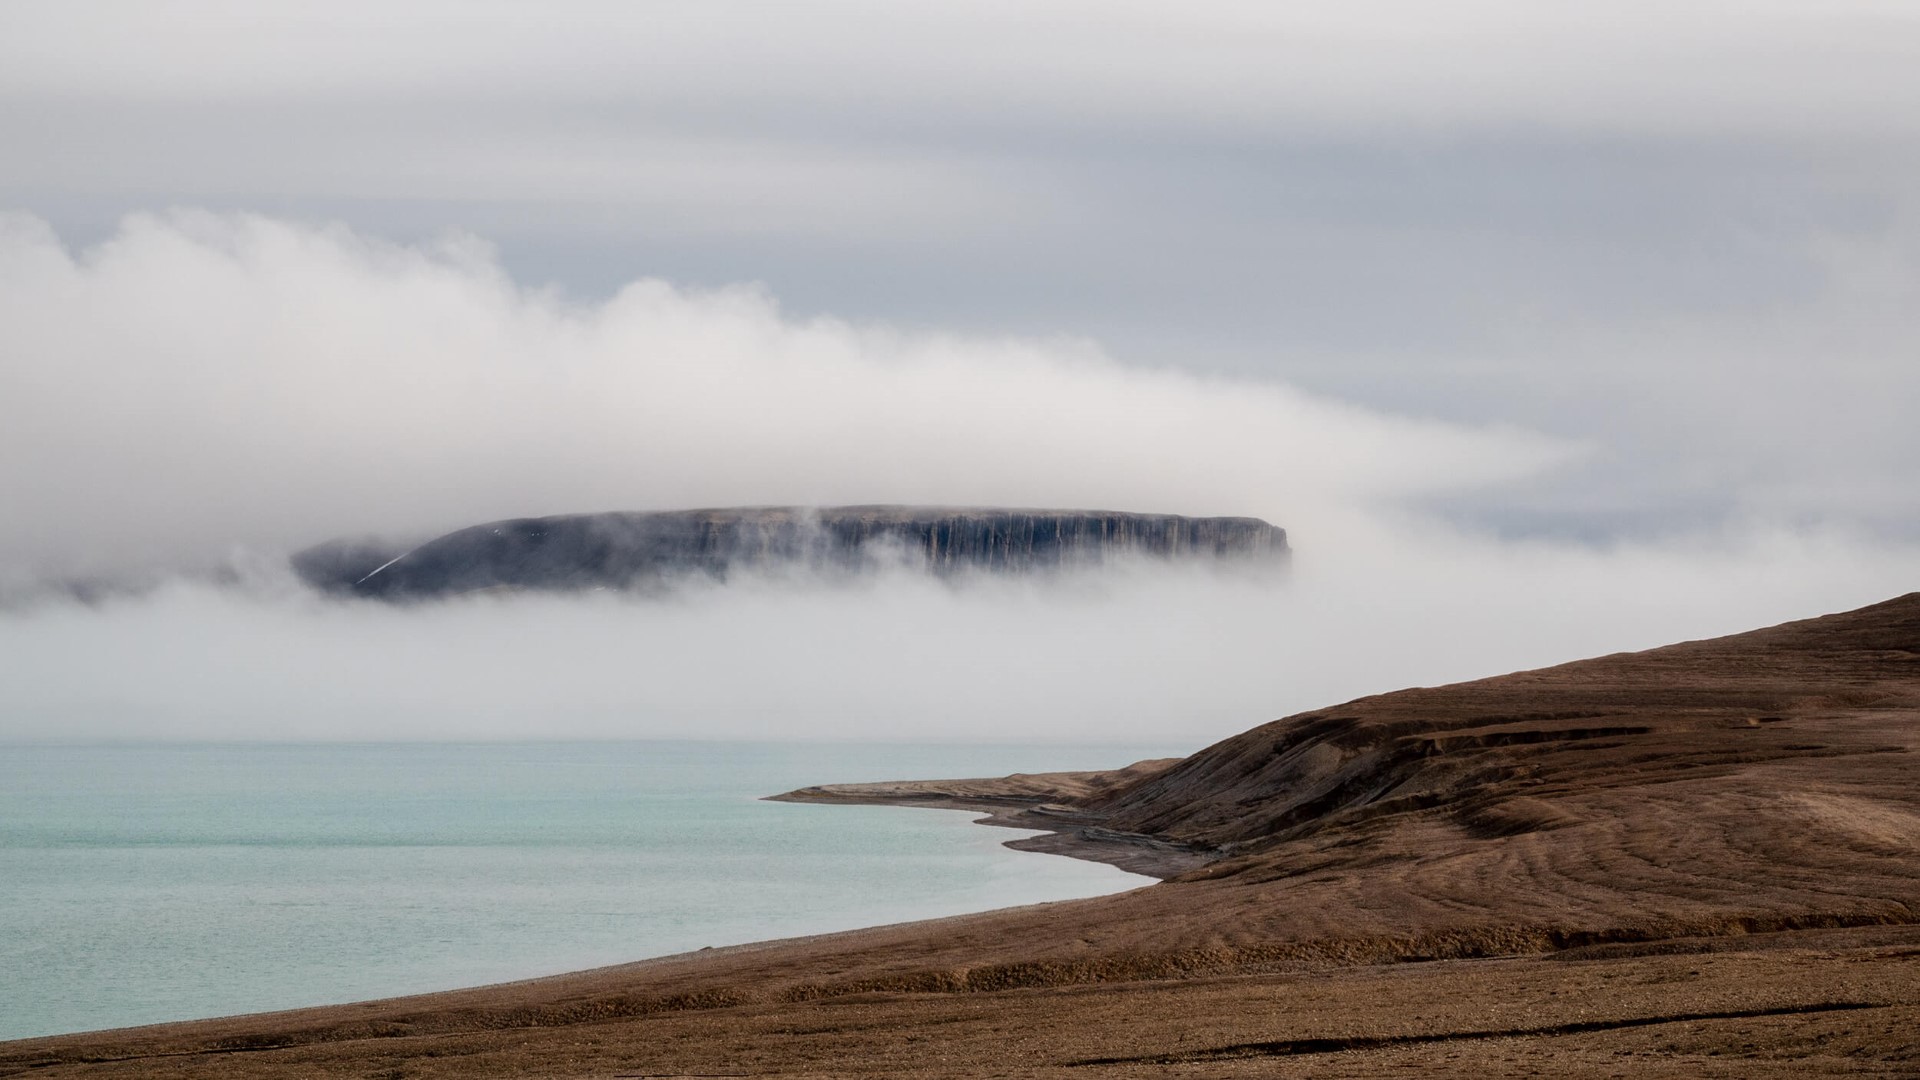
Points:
(144, 883)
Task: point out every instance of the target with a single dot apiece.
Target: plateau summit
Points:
(640, 550)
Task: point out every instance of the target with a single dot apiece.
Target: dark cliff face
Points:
(643, 550)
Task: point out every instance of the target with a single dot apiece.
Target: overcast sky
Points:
(1564, 280)
(1684, 232)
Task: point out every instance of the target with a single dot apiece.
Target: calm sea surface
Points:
(142, 883)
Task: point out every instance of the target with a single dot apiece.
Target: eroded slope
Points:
(1703, 850)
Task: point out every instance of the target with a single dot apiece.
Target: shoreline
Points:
(1016, 796)
(1692, 861)
(1038, 802)
(916, 881)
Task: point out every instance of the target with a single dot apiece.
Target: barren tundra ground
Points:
(1701, 860)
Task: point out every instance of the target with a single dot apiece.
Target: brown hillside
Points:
(1697, 860)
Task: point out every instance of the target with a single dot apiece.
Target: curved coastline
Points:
(369, 871)
(1695, 860)
(1037, 802)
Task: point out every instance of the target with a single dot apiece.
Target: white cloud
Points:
(198, 382)
(201, 381)
(1179, 658)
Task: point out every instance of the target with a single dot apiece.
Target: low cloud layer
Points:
(202, 382)
(207, 388)
(1162, 656)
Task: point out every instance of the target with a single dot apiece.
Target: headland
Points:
(1698, 860)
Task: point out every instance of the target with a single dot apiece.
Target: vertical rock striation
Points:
(647, 549)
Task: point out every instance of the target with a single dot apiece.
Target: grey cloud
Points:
(1775, 65)
(1489, 213)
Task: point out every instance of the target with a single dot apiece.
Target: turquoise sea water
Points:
(144, 883)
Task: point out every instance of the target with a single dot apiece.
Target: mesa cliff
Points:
(641, 550)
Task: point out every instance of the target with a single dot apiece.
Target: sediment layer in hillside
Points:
(1701, 860)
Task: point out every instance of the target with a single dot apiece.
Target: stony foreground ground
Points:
(1702, 860)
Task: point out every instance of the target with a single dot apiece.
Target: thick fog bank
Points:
(215, 391)
(1154, 653)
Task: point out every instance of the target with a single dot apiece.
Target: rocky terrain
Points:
(1049, 801)
(645, 550)
(1700, 860)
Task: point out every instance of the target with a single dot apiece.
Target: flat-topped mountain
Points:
(637, 550)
